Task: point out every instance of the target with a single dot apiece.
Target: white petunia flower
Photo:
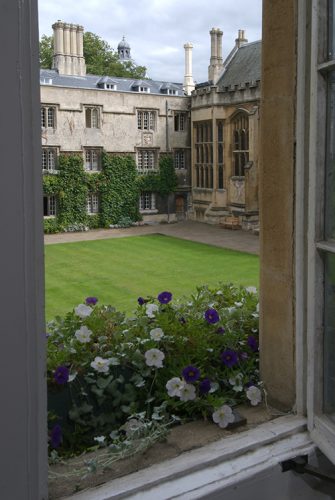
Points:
(223, 416)
(83, 335)
(187, 392)
(154, 357)
(219, 292)
(101, 365)
(157, 334)
(251, 289)
(83, 311)
(238, 304)
(254, 395)
(72, 376)
(100, 439)
(151, 309)
(173, 386)
(236, 382)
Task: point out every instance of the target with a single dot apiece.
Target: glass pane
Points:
(331, 37)
(329, 337)
(330, 161)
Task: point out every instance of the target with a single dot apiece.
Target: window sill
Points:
(50, 171)
(213, 467)
(48, 217)
(91, 171)
(149, 211)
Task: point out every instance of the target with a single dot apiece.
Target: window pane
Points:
(330, 164)
(329, 336)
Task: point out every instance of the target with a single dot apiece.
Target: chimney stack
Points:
(216, 62)
(240, 40)
(188, 78)
(68, 57)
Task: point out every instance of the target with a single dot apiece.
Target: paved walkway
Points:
(187, 230)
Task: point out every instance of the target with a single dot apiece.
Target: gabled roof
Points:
(51, 77)
(244, 67)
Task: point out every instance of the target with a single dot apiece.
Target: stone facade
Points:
(216, 162)
(225, 137)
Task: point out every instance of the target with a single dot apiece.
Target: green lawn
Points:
(119, 270)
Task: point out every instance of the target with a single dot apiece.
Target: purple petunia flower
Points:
(56, 436)
(229, 357)
(141, 301)
(164, 297)
(91, 301)
(252, 343)
(220, 329)
(61, 375)
(212, 316)
(205, 386)
(191, 373)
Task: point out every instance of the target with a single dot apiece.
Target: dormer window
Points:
(143, 89)
(107, 83)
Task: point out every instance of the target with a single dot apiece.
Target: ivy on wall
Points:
(119, 191)
(73, 191)
(118, 186)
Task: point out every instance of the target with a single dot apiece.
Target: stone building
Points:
(210, 129)
(88, 114)
(224, 121)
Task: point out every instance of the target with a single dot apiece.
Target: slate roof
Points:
(243, 68)
(51, 77)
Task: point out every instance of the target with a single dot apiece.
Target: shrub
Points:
(193, 358)
(51, 226)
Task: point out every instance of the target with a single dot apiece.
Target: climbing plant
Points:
(119, 191)
(73, 191)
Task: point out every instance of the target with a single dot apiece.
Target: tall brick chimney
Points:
(68, 56)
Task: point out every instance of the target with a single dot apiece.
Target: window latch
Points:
(300, 465)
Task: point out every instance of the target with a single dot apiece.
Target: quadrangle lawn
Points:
(119, 270)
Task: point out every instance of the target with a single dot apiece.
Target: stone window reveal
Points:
(203, 136)
(146, 160)
(49, 206)
(92, 159)
(147, 201)
(92, 203)
(49, 159)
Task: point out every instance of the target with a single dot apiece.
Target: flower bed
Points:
(111, 378)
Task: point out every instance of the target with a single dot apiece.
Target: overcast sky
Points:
(157, 29)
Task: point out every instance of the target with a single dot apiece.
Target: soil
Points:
(180, 439)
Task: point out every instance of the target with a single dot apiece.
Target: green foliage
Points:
(118, 189)
(46, 51)
(50, 185)
(100, 58)
(114, 379)
(73, 191)
(93, 221)
(51, 226)
(168, 180)
(148, 182)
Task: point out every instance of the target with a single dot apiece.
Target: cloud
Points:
(157, 30)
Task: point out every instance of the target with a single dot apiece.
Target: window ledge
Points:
(215, 466)
(149, 211)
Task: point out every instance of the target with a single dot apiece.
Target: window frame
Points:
(151, 159)
(179, 159)
(146, 120)
(90, 162)
(92, 204)
(51, 201)
(144, 197)
(321, 428)
(179, 121)
(46, 109)
(92, 117)
(47, 150)
(240, 144)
